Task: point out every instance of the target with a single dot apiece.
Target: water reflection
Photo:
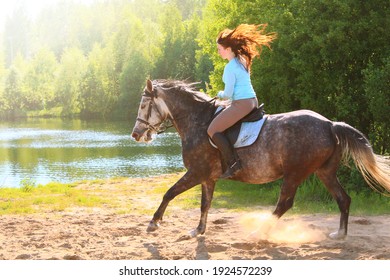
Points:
(67, 151)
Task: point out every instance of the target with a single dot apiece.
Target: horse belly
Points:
(259, 167)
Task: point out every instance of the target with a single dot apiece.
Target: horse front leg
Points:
(286, 197)
(185, 183)
(207, 196)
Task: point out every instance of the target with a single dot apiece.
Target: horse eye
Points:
(143, 106)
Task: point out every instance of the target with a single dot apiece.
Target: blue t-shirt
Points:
(237, 82)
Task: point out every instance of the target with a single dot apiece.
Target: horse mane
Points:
(185, 88)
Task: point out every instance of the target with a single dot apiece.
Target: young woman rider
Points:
(239, 47)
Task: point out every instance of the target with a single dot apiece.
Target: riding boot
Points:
(229, 155)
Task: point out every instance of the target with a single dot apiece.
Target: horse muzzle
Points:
(142, 136)
(136, 136)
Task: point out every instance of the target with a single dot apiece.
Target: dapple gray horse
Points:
(291, 146)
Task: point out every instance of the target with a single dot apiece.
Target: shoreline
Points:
(125, 195)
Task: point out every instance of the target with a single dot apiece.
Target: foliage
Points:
(102, 55)
(99, 87)
(38, 81)
(27, 185)
(46, 199)
(377, 93)
(72, 70)
(92, 61)
(326, 58)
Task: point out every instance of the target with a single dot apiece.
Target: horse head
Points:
(152, 113)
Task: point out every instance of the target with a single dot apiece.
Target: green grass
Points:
(311, 197)
(142, 196)
(52, 197)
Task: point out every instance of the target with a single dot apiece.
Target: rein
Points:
(211, 103)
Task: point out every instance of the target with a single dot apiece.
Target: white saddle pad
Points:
(249, 133)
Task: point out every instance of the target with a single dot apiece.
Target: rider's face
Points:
(225, 53)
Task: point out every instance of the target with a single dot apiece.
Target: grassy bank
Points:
(143, 195)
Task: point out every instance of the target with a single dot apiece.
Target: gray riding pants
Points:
(232, 114)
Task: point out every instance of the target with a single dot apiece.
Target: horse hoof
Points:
(193, 233)
(337, 235)
(153, 226)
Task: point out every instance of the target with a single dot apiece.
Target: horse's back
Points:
(300, 115)
(296, 129)
(298, 138)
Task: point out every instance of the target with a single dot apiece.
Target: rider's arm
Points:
(229, 79)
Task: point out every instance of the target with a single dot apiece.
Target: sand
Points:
(96, 234)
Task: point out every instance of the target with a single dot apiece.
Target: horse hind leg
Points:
(329, 178)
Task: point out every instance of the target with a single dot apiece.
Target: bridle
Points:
(159, 127)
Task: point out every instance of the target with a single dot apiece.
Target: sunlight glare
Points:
(265, 226)
(31, 7)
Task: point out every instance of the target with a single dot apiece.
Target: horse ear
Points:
(149, 86)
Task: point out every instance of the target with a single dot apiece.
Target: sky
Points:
(32, 7)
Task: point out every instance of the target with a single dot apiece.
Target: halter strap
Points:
(160, 127)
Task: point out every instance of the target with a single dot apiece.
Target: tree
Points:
(12, 103)
(319, 58)
(188, 8)
(134, 47)
(71, 71)
(217, 15)
(377, 92)
(12, 97)
(99, 87)
(190, 46)
(2, 79)
(132, 81)
(17, 35)
(39, 81)
(172, 29)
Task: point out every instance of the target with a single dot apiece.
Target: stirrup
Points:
(232, 170)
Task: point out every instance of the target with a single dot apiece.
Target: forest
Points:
(91, 61)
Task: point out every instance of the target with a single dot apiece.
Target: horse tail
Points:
(374, 168)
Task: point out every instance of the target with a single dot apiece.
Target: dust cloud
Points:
(265, 226)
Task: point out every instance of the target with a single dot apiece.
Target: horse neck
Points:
(189, 115)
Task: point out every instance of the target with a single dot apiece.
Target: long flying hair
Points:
(246, 41)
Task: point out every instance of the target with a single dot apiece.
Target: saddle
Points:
(246, 131)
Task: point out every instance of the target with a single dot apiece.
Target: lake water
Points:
(46, 150)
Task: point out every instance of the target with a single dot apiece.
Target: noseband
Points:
(159, 127)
